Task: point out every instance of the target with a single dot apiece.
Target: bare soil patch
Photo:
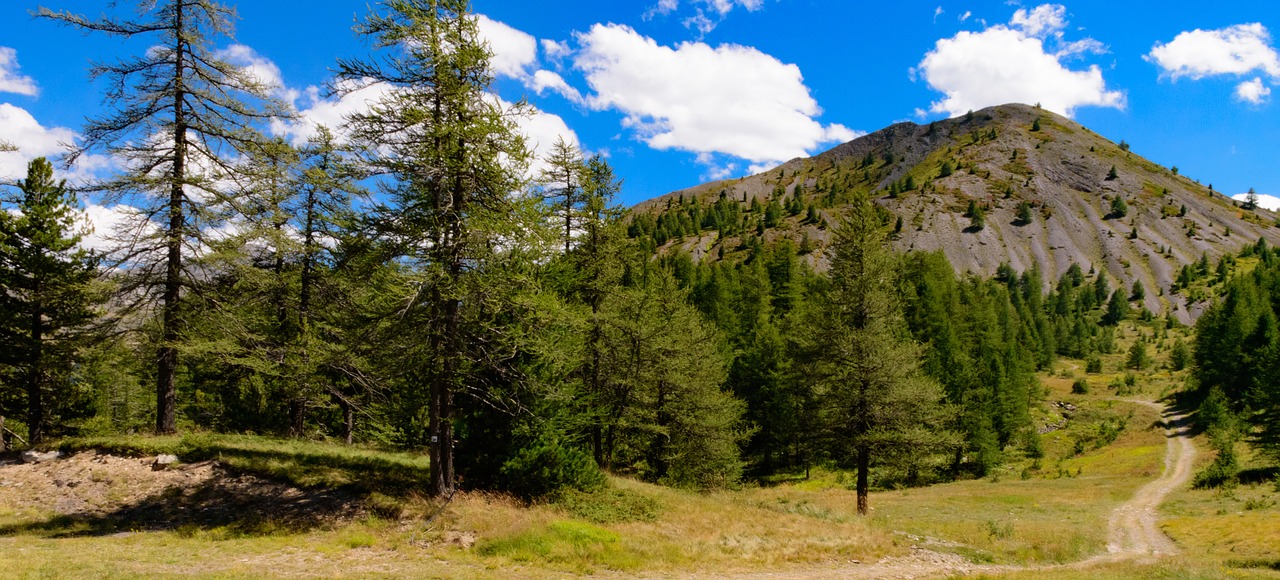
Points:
(91, 493)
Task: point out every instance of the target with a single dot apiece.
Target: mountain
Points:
(999, 160)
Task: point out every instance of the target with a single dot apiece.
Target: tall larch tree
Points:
(450, 159)
(46, 294)
(178, 113)
(876, 404)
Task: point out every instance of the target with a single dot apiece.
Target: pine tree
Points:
(47, 299)
(1119, 208)
(876, 403)
(1024, 213)
(1251, 200)
(178, 108)
(455, 157)
(562, 184)
(1117, 309)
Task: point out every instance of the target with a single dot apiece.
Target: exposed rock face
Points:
(1000, 160)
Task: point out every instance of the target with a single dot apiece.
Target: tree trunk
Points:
(297, 417)
(166, 387)
(4, 437)
(35, 376)
(864, 465)
(349, 422)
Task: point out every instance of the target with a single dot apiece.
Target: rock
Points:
(38, 457)
(163, 461)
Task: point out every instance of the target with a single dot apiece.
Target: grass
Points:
(1045, 514)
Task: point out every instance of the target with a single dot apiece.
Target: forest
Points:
(397, 281)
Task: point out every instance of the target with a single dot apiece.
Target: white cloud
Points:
(541, 130)
(936, 13)
(1253, 91)
(32, 139)
(1267, 202)
(965, 16)
(731, 100)
(555, 50)
(514, 51)
(112, 225)
(1042, 21)
(10, 80)
(1235, 50)
(332, 113)
(544, 80)
(706, 14)
(259, 67)
(1004, 64)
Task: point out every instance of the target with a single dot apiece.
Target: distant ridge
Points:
(999, 159)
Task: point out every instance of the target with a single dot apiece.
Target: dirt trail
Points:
(1132, 533)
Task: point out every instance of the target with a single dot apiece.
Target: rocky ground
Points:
(106, 493)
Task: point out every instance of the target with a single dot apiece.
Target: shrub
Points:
(1080, 387)
(1094, 365)
(546, 467)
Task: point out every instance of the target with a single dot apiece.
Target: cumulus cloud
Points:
(1020, 62)
(514, 51)
(1041, 21)
(1235, 50)
(732, 100)
(314, 109)
(259, 67)
(1253, 91)
(704, 15)
(1267, 202)
(33, 140)
(10, 80)
(541, 131)
(545, 80)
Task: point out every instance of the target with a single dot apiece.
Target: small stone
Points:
(164, 461)
(38, 457)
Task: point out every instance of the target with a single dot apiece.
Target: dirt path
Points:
(1132, 533)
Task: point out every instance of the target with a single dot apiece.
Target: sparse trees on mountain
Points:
(1251, 200)
(179, 114)
(1112, 175)
(46, 294)
(1119, 208)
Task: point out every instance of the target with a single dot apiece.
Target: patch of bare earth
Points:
(108, 493)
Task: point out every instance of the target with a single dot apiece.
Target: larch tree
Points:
(562, 183)
(46, 294)
(449, 158)
(179, 113)
(875, 402)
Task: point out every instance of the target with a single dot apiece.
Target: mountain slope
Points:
(997, 159)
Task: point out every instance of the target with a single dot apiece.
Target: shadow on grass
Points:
(1255, 563)
(235, 505)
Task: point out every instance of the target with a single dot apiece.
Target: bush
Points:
(547, 467)
(1094, 365)
(1080, 387)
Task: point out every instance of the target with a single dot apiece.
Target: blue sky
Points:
(676, 92)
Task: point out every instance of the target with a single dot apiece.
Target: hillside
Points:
(998, 159)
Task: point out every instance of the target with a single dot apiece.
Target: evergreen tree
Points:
(1117, 309)
(1119, 208)
(455, 158)
(177, 108)
(1251, 200)
(876, 403)
(1138, 357)
(1024, 213)
(562, 184)
(46, 298)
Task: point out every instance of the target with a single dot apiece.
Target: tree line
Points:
(397, 280)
